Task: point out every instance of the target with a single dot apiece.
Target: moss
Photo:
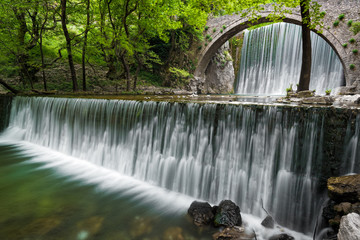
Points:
(355, 51)
(352, 66)
(352, 40)
(345, 45)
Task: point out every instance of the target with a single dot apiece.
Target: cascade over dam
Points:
(124, 163)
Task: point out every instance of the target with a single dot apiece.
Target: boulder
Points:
(201, 213)
(233, 233)
(344, 188)
(268, 222)
(227, 214)
(349, 227)
(282, 236)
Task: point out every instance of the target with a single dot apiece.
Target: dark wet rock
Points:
(201, 213)
(349, 227)
(173, 233)
(227, 214)
(283, 236)
(343, 208)
(233, 233)
(344, 188)
(268, 222)
(328, 211)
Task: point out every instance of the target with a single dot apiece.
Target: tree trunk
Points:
(68, 45)
(304, 80)
(85, 43)
(127, 72)
(11, 89)
(42, 61)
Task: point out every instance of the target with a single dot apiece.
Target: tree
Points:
(305, 73)
(68, 45)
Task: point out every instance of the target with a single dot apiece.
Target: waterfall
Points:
(271, 61)
(250, 154)
(352, 148)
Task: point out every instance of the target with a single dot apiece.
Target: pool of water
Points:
(48, 195)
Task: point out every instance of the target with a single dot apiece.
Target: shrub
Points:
(221, 31)
(355, 28)
(355, 51)
(214, 30)
(351, 40)
(199, 47)
(336, 23)
(345, 45)
(206, 28)
(352, 66)
(207, 36)
(341, 16)
(224, 27)
(210, 39)
(322, 14)
(349, 23)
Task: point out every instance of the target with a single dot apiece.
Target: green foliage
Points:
(341, 17)
(355, 51)
(214, 30)
(322, 14)
(289, 89)
(351, 40)
(336, 23)
(224, 27)
(199, 47)
(206, 28)
(352, 66)
(345, 45)
(210, 39)
(349, 23)
(355, 28)
(221, 31)
(207, 36)
(328, 91)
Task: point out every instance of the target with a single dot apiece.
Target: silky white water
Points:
(249, 154)
(271, 61)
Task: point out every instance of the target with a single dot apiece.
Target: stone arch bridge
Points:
(334, 36)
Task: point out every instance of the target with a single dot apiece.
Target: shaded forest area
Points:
(78, 45)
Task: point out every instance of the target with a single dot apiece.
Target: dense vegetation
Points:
(72, 42)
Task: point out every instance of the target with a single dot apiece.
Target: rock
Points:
(343, 208)
(90, 226)
(268, 222)
(233, 233)
(304, 94)
(283, 236)
(173, 233)
(201, 212)
(140, 226)
(227, 214)
(344, 189)
(349, 227)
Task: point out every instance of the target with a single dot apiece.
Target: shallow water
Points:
(49, 195)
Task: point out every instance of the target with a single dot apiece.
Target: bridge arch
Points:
(235, 24)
